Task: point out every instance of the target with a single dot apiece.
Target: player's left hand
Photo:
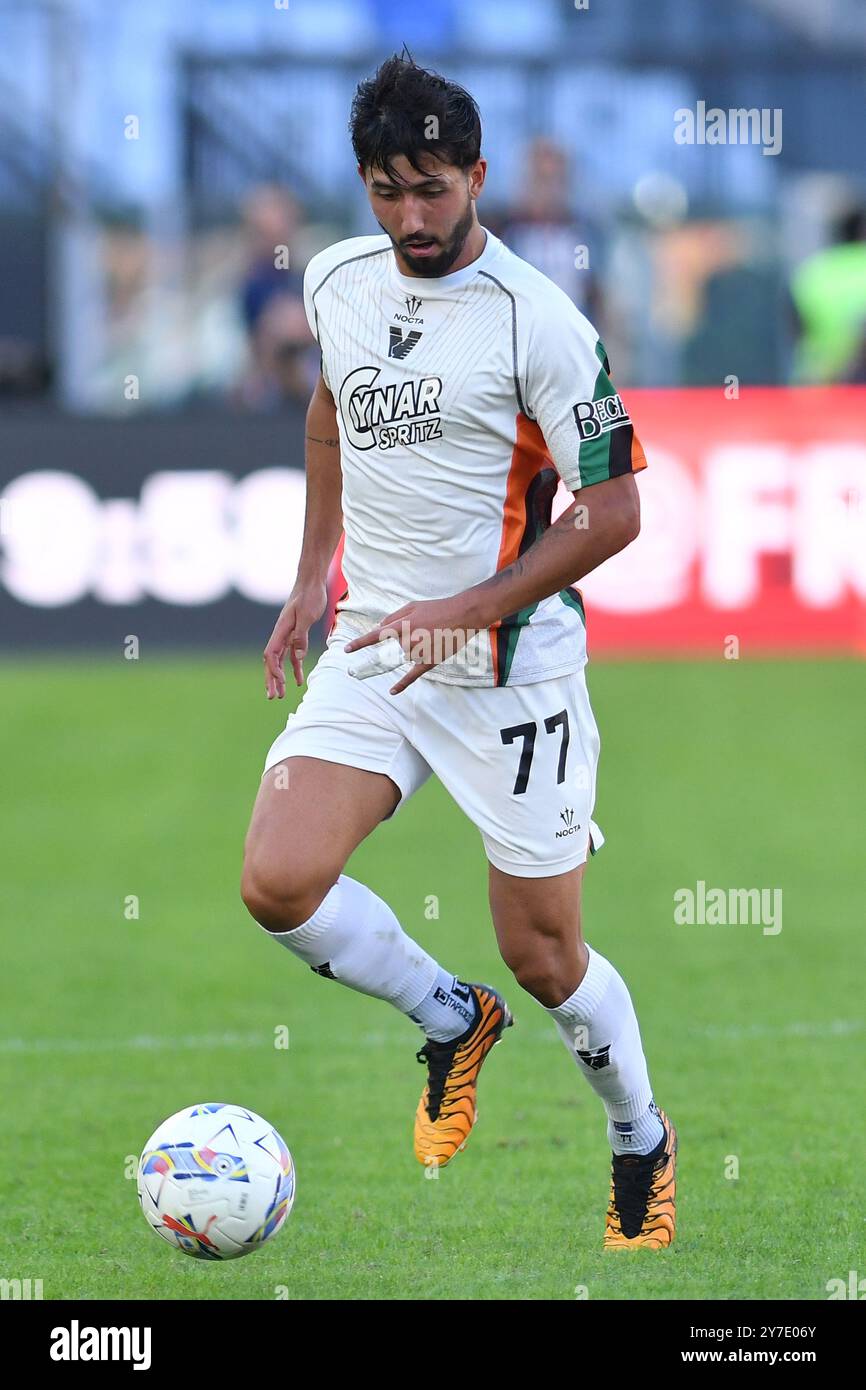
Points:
(428, 632)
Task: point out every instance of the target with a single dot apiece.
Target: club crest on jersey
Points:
(399, 346)
(386, 416)
(594, 418)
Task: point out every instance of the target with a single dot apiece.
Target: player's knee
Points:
(540, 974)
(282, 898)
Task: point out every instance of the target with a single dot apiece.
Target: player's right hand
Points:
(291, 637)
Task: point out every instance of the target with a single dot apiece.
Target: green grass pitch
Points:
(136, 778)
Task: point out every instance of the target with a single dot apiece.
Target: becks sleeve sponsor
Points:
(584, 420)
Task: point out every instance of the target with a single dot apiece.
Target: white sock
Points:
(638, 1136)
(354, 937)
(599, 1027)
(447, 1010)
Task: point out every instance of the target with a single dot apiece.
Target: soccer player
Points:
(458, 386)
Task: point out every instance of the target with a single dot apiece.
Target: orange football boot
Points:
(447, 1109)
(643, 1189)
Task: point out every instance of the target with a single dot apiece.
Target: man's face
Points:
(427, 215)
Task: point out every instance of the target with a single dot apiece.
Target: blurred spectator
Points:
(283, 341)
(729, 287)
(24, 371)
(281, 346)
(542, 229)
(829, 294)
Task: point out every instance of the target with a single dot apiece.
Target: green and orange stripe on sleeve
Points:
(615, 449)
(530, 488)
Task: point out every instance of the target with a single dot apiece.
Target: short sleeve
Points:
(312, 277)
(585, 423)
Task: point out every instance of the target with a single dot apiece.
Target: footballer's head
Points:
(417, 140)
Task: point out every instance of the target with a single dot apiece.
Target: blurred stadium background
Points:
(166, 171)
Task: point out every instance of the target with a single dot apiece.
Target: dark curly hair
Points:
(391, 114)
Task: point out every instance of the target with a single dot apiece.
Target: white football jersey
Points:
(461, 401)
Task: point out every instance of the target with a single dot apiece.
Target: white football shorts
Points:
(520, 760)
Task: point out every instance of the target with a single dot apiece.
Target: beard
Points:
(436, 265)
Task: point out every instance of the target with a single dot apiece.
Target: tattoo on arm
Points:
(331, 443)
(515, 570)
(562, 529)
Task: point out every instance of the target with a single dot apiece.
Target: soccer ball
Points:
(216, 1181)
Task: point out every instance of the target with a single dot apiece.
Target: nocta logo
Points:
(398, 345)
(566, 815)
(413, 304)
(385, 416)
